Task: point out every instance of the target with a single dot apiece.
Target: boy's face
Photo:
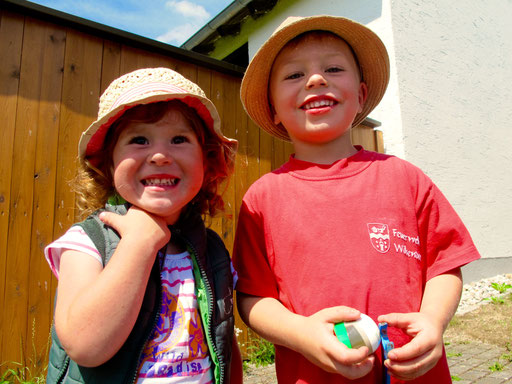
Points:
(159, 167)
(315, 89)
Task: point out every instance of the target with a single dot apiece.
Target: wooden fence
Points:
(53, 70)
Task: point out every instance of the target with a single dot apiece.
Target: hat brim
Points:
(92, 139)
(370, 51)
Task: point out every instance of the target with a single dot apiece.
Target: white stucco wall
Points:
(449, 102)
(454, 66)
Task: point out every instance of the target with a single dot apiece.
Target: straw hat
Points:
(369, 49)
(144, 86)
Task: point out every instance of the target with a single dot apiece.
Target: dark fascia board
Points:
(100, 30)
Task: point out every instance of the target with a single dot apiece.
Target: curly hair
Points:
(94, 185)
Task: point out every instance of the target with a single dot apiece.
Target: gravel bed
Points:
(475, 293)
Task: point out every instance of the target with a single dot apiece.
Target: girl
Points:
(145, 291)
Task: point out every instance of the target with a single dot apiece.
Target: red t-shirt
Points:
(366, 232)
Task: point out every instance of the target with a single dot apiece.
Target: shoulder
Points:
(397, 166)
(267, 184)
(215, 243)
(75, 239)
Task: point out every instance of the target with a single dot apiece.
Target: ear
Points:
(273, 112)
(363, 95)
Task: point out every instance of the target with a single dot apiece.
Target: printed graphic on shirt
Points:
(177, 348)
(381, 238)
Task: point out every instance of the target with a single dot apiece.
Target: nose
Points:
(160, 156)
(316, 80)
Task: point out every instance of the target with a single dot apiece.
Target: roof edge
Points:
(103, 31)
(230, 11)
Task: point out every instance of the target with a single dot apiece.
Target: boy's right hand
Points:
(311, 336)
(140, 226)
(322, 347)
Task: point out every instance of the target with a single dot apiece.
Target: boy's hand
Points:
(313, 336)
(139, 226)
(422, 353)
(322, 348)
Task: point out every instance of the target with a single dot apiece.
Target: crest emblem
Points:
(379, 236)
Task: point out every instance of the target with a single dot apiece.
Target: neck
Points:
(324, 153)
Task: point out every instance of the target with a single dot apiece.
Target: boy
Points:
(337, 230)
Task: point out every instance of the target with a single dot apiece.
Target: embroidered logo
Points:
(379, 236)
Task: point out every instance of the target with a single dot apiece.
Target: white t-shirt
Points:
(177, 351)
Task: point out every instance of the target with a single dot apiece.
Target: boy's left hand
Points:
(422, 353)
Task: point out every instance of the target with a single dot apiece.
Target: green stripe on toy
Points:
(341, 333)
(359, 333)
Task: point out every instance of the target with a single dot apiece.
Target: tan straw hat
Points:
(370, 52)
(144, 86)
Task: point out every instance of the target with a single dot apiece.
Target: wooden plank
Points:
(240, 180)
(133, 58)
(111, 64)
(365, 136)
(265, 154)
(204, 80)
(288, 150)
(11, 38)
(232, 99)
(80, 94)
(223, 95)
(22, 185)
(49, 54)
(253, 152)
(379, 139)
(190, 71)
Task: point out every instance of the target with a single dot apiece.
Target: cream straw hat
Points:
(144, 86)
(370, 52)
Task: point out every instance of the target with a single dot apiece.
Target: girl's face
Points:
(158, 166)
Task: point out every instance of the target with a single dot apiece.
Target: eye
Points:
(334, 69)
(139, 140)
(179, 140)
(296, 75)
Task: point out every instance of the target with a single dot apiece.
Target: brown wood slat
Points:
(48, 54)
(79, 105)
(22, 195)
(11, 37)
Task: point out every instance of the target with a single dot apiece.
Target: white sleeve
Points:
(75, 239)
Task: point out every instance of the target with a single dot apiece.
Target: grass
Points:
(260, 353)
(490, 323)
(32, 369)
(20, 374)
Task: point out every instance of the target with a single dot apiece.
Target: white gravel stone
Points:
(475, 293)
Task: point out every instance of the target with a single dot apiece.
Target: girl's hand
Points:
(422, 353)
(139, 225)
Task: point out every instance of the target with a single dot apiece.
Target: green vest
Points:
(214, 289)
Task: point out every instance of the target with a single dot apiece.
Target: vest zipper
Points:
(209, 296)
(62, 373)
(155, 320)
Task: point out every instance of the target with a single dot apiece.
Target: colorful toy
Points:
(387, 346)
(359, 333)
(364, 332)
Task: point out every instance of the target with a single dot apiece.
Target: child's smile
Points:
(318, 104)
(162, 181)
(159, 167)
